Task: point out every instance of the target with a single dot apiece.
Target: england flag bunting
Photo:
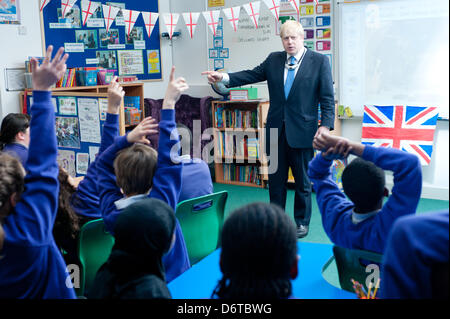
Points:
(150, 19)
(408, 128)
(252, 9)
(66, 5)
(274, 7)
(43, 4)
(170, 21)
(296, 5)
(130, 17)
(212, 19)
(88, 8)
(109, 14)
(232, 15)
(191, 19)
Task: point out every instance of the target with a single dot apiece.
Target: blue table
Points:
(199, 281)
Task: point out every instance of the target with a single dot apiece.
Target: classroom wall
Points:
(190, 58)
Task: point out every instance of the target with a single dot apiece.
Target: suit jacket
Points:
(313, 84)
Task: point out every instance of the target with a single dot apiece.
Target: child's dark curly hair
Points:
(66, 227)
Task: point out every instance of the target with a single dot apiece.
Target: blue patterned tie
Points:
(289, 78)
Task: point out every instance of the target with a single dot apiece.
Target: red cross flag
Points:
(109, 14)
(232, 15)
(130, 17)
(274, 7)
(88, 8)
(150, 19)
(191, 19)
(66, 5)
(296, 5)
(171, 20)
(252, 9)
(43, 4)
(212, 19)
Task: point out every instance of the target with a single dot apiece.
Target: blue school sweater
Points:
(86, 201)
(336, 210)
(166, 186)
(414, 245)
(17, 150)
(196, 179)
(32, 266)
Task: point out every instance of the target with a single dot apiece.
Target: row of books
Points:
(132, 101)
(235, 145)
(242, 173)
(132, 116)
(226, 118)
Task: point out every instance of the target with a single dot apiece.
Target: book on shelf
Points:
(132, 101)
(226, 118)
(252, 148)
(241, 173)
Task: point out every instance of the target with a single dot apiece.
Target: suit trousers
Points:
(297, 159)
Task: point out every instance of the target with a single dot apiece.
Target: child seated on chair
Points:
(79, 203)
(31, 265)
(415, 264)
(362, 221)
(144, 232)
(15, 135)
(259, 254)
(142, 172)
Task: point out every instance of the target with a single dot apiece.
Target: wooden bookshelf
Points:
(131, 89)
(253, 129)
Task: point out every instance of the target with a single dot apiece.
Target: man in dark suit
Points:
(298, 80)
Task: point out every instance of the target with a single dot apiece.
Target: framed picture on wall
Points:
(9, 12)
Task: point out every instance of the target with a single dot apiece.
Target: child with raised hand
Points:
(79, 203)
(142, 172)
(362, 221)
(31, 265)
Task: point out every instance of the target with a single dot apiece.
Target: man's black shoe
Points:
(302, 231)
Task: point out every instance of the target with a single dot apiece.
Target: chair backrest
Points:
(201, 220)
(94, 248)
(352, 263)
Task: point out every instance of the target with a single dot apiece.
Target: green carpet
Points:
(242, 195)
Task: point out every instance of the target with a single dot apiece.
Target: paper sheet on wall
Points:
(82, 163)
(89, 120)
(93, 151)
(103, 107)
(67, 105)
(130, 62)
(66, 160)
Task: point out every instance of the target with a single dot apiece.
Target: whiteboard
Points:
(394, 52)
(248, 46)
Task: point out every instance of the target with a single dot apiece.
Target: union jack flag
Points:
(408, 128)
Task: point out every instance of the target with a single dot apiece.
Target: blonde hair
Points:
(292, 25)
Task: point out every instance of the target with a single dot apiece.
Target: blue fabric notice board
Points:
(79, 124)
(135, 55)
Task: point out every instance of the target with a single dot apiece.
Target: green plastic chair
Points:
(201, 226)
(351, 264)
(94, 248)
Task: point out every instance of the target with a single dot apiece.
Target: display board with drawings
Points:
(79, 120)
(137, 54)
(249, 46)
(394, 52)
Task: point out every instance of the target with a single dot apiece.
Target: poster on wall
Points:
(9, 12)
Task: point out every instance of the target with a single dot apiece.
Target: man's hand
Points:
(213, 76)
(332, 146)
(322, 129)
(49, 72)
(174, 90)
(115, 96)
(148, 126)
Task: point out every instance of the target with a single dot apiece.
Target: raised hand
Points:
(213, 76)
(174, 90)
(50, 71)
(148, 126)
(115, 96)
